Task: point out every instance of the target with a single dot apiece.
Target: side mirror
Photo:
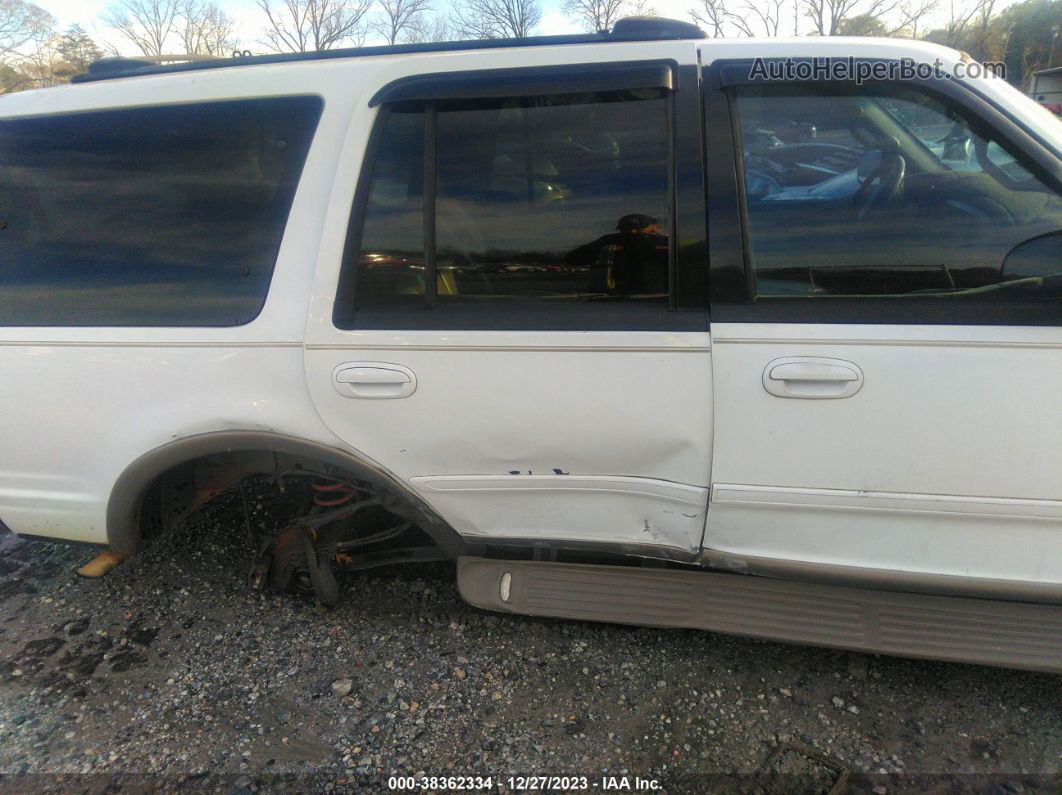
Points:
(1037, 258)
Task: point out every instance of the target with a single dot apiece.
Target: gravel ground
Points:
(171, 673)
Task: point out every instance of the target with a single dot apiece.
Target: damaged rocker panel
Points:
(621, 511)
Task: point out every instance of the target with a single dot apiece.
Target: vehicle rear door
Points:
(515, 323)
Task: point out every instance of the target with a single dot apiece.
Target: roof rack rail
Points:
(115, 64)
(628, 29)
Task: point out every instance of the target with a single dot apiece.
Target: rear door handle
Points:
(812, 377)
(374, 380)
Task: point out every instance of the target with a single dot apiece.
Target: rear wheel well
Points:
(164, 486)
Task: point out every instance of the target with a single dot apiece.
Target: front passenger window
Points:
(883, 191)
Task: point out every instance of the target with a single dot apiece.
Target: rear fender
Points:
(124, 531)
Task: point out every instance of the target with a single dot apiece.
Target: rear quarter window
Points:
(155, 216)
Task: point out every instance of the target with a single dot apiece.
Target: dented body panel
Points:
(602, 436)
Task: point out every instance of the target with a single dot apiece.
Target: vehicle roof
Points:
(329, 73)
(630, 29)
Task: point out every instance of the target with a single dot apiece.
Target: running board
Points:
(1007, 634)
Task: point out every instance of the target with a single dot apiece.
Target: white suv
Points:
(637, 326)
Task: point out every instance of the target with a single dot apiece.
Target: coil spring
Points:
(329, 494)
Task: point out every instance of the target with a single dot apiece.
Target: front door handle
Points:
(374, 380)
(812, 377)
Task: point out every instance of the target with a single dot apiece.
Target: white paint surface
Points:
(947, 460)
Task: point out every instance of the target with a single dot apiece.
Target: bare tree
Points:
(959, 19)
(909, 16)
(641, 8)
(399, 16)
(763, 18)
(980, 34)
(495, 19)
(428, 28)
(904, 20)
(42, 62)
(21, 23)
(753, 18)
(28, 57)
(146, 23)
(826, 15)
(205, 29)
(595, 15)
(861, 25)
(713, 15)
(110, 49)
(829, 17)
(307, 25)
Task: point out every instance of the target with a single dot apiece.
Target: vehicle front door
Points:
(887, 330)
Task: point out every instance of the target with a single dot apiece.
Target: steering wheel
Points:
(880, 175)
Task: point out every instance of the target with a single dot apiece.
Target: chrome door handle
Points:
(812, 377)
(374, 380)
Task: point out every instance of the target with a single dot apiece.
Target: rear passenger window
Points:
(554, 200)
(157, 216)
(391, 266)
(883, 191)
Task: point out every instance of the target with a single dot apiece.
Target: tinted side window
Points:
(883, 191)
(391, 262)
(537, 199)
(159, 216)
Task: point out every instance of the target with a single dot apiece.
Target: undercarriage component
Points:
(100, 565)
(281, 563)
(340, 533)
(321, 577)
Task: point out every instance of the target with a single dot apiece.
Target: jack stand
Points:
(100, 565)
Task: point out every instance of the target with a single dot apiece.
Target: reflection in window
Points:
(391, 262)
(156, 216)
(882, 191)
(536, 199)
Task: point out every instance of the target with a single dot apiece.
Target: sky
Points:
(250, 19)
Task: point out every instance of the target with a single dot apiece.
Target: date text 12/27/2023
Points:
(543, 783)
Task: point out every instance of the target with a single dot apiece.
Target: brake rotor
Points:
(286, 565)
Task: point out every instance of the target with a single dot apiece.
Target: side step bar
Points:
(1007, 634)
